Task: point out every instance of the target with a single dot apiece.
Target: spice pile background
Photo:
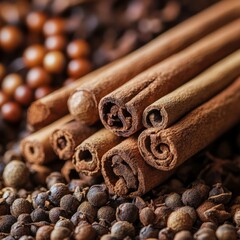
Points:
(52, 202)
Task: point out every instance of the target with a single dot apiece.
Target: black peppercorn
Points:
(88, 211)
(183, 235)
(56, 213)
(147, 216)
(44, 232)
(6, 222)
(148, 232)
(101, 228)
(122, 229)
(98, 195)
(25, 218)
(106, 213)
(192, 197)
(19, 229)
(205, 234)
(78, 217)
(108, 237)
(63, 222)
(57, 191)
(161, 215)
(84, 231)
(69, 203)
(54, 177)
(38, 215)
(173, 200)
(127, 212)
(19, 206)
(226, 232)
(9, 194)
(166, 234)
(60, 233)
(40, 199)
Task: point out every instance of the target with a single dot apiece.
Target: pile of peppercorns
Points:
(201, 201)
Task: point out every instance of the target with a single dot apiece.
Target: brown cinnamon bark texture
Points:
(168, 109)
(65, 138)
(166, 149)
(121, 111)
(126, 173)
(36, 147)
(54, 106)
(87, 157)
(84, 101)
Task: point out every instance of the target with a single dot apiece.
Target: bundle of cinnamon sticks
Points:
(184, 87)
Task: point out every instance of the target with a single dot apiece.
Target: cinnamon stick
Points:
(84, 101)
(36, 147)
(126, 173)
(166, 149)
(54, 106)
(65, 138)
(87, 157)
(168, 109)
(121, 111)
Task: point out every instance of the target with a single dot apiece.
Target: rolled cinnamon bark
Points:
(121, 111)
(126, 173)
(87, 157)
(166, 149)
(54, 106)
(36, 147)
(84, 101)
(168, 109)
(65, 138)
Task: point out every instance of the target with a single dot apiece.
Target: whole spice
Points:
(89, 211)
(25, 218)
(146, 216)
(106, 213)
(226, 232)
(127, 212)
(84, 231)
(122, 229)
(205, 233)
(6, 221)
(98, 195)
(179, 220)
(165, 234)
(38, 215)
(56, 213)
(60, 233)
(191, 197)
(56, 192)
(19, 206)
(66, 223)
(19, 229)
(173, 200)
(54, 177)
(15, 174)
(69, 203)
(148, 232)
(183, 235)
(44, 233)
